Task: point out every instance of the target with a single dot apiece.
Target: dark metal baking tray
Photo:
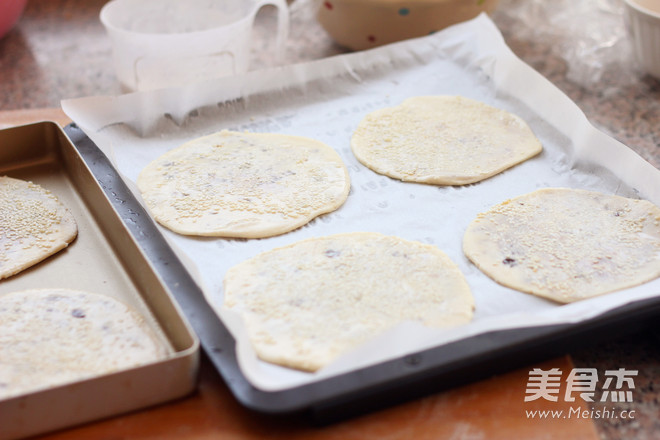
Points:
(366, 389)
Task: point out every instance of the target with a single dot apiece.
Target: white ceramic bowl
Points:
(362, 24)
(643, 22)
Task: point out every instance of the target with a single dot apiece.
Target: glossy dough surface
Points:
(248, 185)
(309, 302)
(443, 140)
(50, 337)
(567, 244)
(34, 225)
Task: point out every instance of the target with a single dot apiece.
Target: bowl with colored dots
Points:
(363, 24)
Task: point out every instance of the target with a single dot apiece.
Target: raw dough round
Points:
(49, 337)
(567, 244)
(309, 302)
(248, 185)
(34, 225)
(443, 140)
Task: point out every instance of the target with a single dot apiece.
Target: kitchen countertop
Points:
(60, 50)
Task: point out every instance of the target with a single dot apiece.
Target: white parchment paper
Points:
(325, 100)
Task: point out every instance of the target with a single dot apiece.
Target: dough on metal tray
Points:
(307, 303)
(567, 244)
(248, 185)
(34, 225)
(50, 337)
(443, 140)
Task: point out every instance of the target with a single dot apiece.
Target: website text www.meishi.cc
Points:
(577, 412)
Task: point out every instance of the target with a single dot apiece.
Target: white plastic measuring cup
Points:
(166, 43)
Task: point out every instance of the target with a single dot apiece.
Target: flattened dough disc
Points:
(248, 185)
(443, 140)
(50, 337)
(307, 303)
(567, 244)
(34, 225)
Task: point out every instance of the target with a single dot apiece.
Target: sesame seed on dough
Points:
(307, 303)
(34, 225)
(248, 185)
(442, 140)
(50, 337)
(567, 244)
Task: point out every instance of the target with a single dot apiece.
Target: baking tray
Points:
(407, 377)
(105, 258)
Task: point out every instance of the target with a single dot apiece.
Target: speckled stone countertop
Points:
(60, 50)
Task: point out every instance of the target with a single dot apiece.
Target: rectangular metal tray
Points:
(369, 388)
(105, 258)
